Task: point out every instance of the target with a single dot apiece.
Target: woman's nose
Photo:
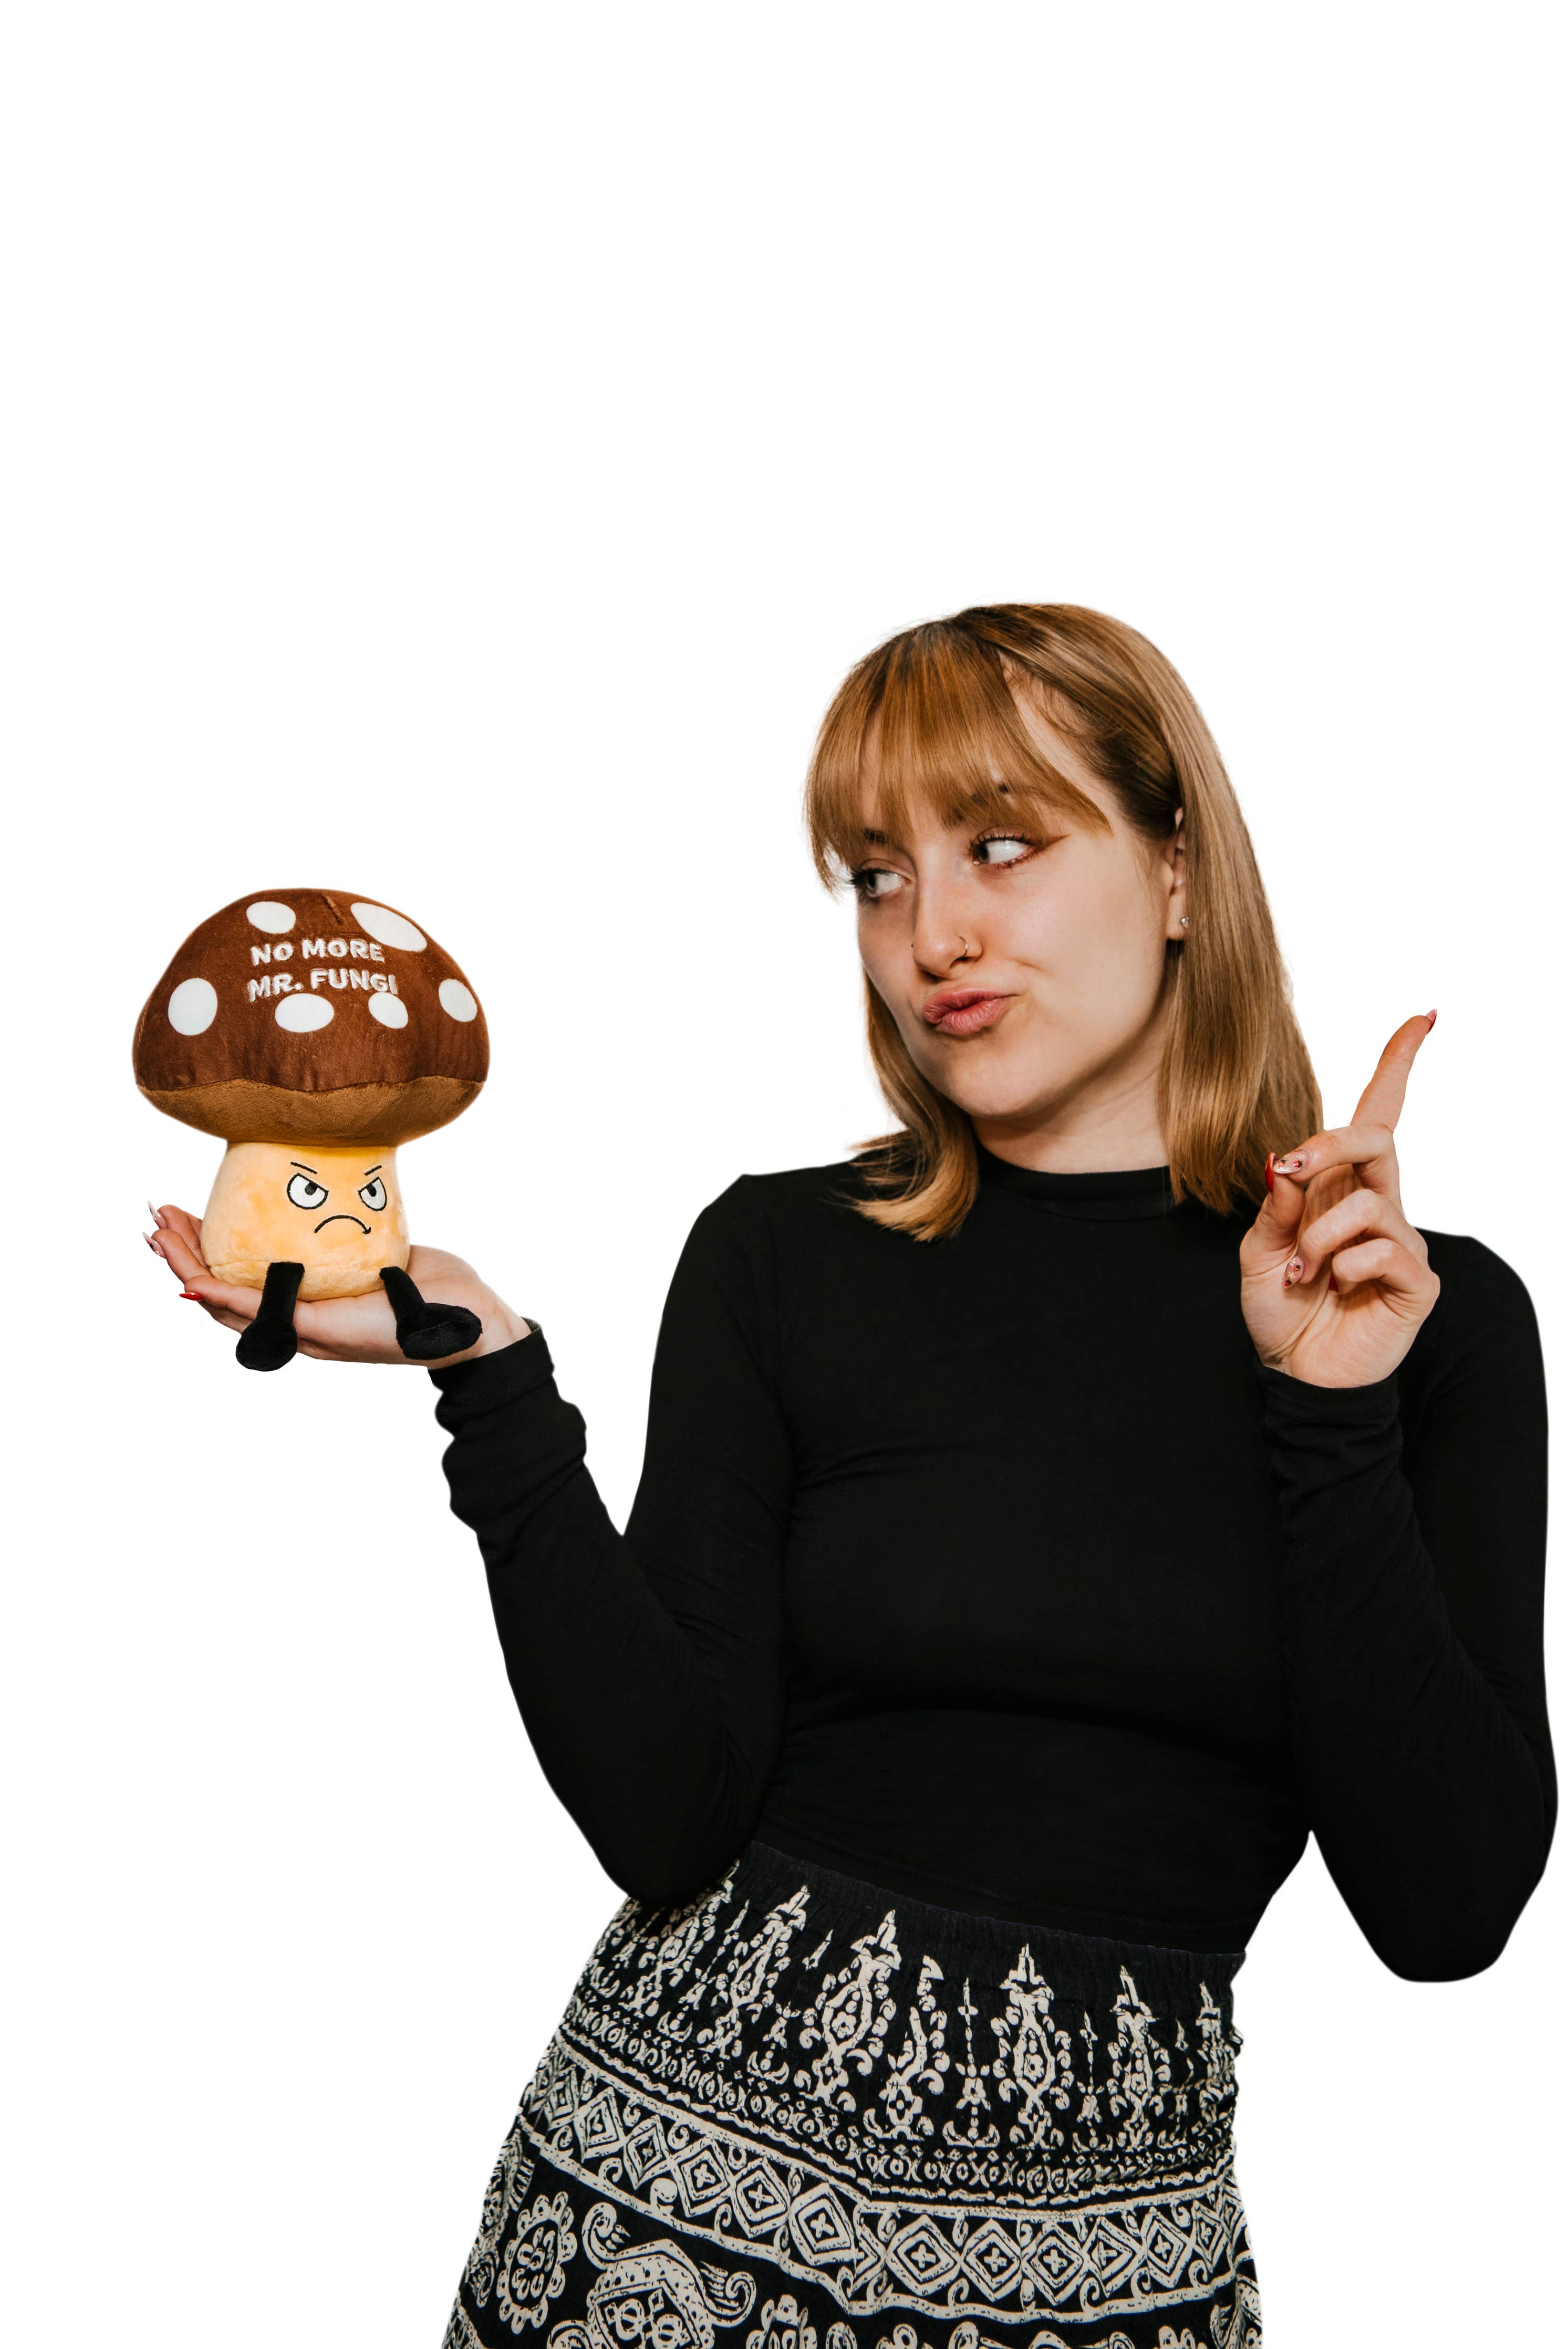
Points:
(941, 938)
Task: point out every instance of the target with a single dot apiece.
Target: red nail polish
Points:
(1333, 1284)
(1269, 1171)
(1431, 1021)
(190, 1297)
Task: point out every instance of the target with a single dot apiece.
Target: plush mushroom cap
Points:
(311, 1015)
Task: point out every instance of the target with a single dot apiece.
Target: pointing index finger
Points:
(1384, 1098)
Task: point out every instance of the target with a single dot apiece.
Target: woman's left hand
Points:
(1334, 1281)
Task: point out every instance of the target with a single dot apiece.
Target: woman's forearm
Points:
(1425, 1767)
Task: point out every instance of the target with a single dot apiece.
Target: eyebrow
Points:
(302, 1166)
(372, 1170)
(973, 810)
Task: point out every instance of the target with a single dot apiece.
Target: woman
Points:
(1048, 1517)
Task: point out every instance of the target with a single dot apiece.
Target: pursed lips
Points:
(964, 1010)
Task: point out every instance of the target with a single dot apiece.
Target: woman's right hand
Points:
(341, 1328)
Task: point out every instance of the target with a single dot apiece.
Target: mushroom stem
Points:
(428, 1333)
(270, 1342)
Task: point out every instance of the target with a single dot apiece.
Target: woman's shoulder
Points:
(787, 1214)
(1484, 1311)
(1475, 1272)
(789, 1194)
(768, 1237)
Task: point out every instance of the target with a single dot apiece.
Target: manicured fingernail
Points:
(154, 1246)
(1333, 1284)
(156, 1214)
(1290, 1166)
(1431, 1021)
(190, 1297)
(1292, 1272)
(1269, 1171)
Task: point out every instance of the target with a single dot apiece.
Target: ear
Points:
(1173, 857)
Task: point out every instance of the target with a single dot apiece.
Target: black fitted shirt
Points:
(997, 1571)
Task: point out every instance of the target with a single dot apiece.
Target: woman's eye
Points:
(306, 1192)
(1010, 849)
(374, 1194)
(869, 883)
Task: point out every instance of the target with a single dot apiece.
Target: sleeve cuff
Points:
(506, 1376)
(1297, 1402)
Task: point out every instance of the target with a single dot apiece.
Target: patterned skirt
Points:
(797, 2111)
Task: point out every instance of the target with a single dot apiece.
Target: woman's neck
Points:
(1098, 1127)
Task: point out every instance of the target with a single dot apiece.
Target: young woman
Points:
(1049, 1517)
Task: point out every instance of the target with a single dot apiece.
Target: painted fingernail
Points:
(1333, 1284)
(1431, 1021)
(1269, 1171)
(1292, 1272)
(154, 1246)
(190, 1297)
(1290, 1166)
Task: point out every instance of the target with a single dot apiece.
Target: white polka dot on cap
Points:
(302, 1012)
(266, 913)
(389, 929)
(456, 1001)
(390, 1009)
(193, 1006)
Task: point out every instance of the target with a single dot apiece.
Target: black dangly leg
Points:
(427, 1333)
(270, 1342)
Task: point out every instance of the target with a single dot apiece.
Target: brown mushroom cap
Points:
(311, 1015)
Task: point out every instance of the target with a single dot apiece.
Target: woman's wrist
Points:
(501, 1327)
(1358, 1377)
(1301, 1399)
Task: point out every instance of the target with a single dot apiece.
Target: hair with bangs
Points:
(931, 717)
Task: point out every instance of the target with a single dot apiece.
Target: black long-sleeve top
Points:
(997, 1571)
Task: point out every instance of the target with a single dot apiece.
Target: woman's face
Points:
(1026, 968)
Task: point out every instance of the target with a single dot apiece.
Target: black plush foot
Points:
(270, 1342)
(428, 1333)
(266, 1346)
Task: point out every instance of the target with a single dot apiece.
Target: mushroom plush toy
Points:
(314, 1032)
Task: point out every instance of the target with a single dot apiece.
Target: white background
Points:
(451, 454)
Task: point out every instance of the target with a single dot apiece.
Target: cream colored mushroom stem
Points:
(299, 1222)
(338, 1213)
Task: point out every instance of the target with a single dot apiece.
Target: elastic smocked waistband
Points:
(1080, 1966)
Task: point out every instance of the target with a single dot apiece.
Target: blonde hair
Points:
(933, 716)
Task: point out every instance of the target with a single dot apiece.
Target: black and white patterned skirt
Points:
(800, 2113)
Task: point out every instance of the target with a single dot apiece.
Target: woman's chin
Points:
(998, 1104)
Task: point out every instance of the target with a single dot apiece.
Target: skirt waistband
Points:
(1087, 1967)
